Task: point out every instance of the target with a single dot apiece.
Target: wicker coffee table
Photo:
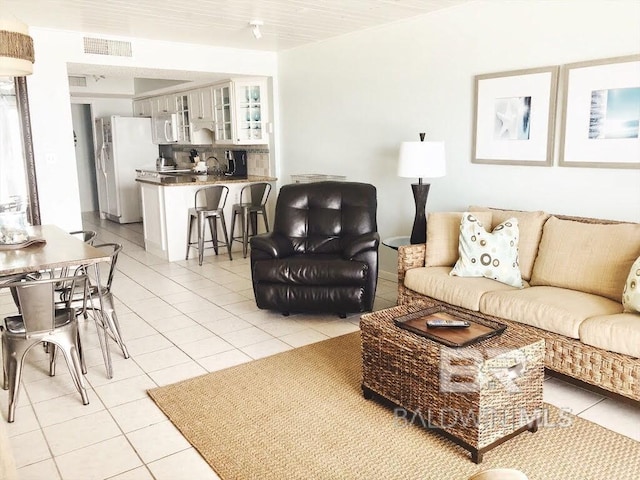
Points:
(478, 396)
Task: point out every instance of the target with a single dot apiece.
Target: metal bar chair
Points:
(253, 200)
(208, 206)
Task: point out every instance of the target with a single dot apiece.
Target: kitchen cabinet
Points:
(236, 112)
(223, 123)
(184, 117)
(201, 103)
(142, 108)
(251, 111)
(163, 104)
(240, 110)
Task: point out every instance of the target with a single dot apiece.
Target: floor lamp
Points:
(422, 160)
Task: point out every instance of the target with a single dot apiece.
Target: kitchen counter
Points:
(169, 178)
(165, 208)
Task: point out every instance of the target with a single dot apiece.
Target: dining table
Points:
(48, 249)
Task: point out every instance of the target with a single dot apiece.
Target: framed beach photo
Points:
(601, 113)
(514, 117)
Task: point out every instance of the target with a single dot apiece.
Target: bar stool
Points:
(208, 205)
(253, 198)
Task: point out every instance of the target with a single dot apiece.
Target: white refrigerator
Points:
(123, 144)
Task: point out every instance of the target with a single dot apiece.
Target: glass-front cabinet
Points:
(184, 119)
(222, 114)
(240, 112)
(251, 111)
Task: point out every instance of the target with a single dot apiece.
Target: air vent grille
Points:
(77, 81)
(102, 46)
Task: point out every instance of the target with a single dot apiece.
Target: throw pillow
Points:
(443, 232)
(631, 292)
(530, 230)
(491, 255)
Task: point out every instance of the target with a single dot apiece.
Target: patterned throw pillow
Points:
(491, 255)
(631, 292)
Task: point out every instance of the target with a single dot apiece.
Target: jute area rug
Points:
(301, 415)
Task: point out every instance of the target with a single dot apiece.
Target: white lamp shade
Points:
(422, 160)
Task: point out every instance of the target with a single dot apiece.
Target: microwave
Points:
(165, 128)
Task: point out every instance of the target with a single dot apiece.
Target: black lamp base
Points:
(419, 230)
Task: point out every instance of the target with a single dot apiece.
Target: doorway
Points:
(85, 156)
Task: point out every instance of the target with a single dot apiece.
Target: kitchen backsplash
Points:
(257, 157)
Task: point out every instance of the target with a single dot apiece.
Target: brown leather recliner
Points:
(322, 255)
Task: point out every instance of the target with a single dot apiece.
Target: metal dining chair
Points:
(98, 298)
(87, 236)
(208, 206)
(253, 200)
(40, 321)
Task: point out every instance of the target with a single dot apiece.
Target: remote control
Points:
(437, 323)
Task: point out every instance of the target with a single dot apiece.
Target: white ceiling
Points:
(287, 23)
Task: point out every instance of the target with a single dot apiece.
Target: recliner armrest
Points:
(362, 243)
(273, 244)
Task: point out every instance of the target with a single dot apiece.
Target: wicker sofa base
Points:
(607, 370)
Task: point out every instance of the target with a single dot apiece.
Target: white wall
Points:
(346, 104)
(50, 104)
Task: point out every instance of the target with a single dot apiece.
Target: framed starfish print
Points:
(514, 117)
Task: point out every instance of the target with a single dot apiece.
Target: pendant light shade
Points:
(16, 47)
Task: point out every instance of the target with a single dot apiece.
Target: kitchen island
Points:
(166, 199)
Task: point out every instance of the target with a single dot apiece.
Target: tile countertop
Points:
(177, 179)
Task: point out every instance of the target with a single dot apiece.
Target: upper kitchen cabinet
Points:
(251, 109)
(184, 117)
(240, 109)
(201, 103)
(229, 113)
(142, 108)
(164, 104)
(222, 118)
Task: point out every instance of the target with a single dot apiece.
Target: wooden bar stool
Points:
(208, 206)
(253, 199)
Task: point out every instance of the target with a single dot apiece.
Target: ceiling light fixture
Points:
(255, 28)
(16, 47)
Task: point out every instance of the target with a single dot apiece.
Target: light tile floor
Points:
(180, 320)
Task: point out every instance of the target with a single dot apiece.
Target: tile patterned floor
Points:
(180, 320)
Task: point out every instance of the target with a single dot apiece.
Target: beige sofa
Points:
(573, 274)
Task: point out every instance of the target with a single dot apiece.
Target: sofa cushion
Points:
(443, 233)
(618, 333)
(557, 310)
(530, 225)
(589, 257)
(631, 292)
(435, 282)
(491, 255)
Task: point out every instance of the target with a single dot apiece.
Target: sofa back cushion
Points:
(317, 217)
(589, 257)
(443, 234)
(530, 227)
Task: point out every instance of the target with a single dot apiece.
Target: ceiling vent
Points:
(77, 81)
(102, 46)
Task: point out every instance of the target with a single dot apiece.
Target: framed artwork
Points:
(514, 117)
(601, 113)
